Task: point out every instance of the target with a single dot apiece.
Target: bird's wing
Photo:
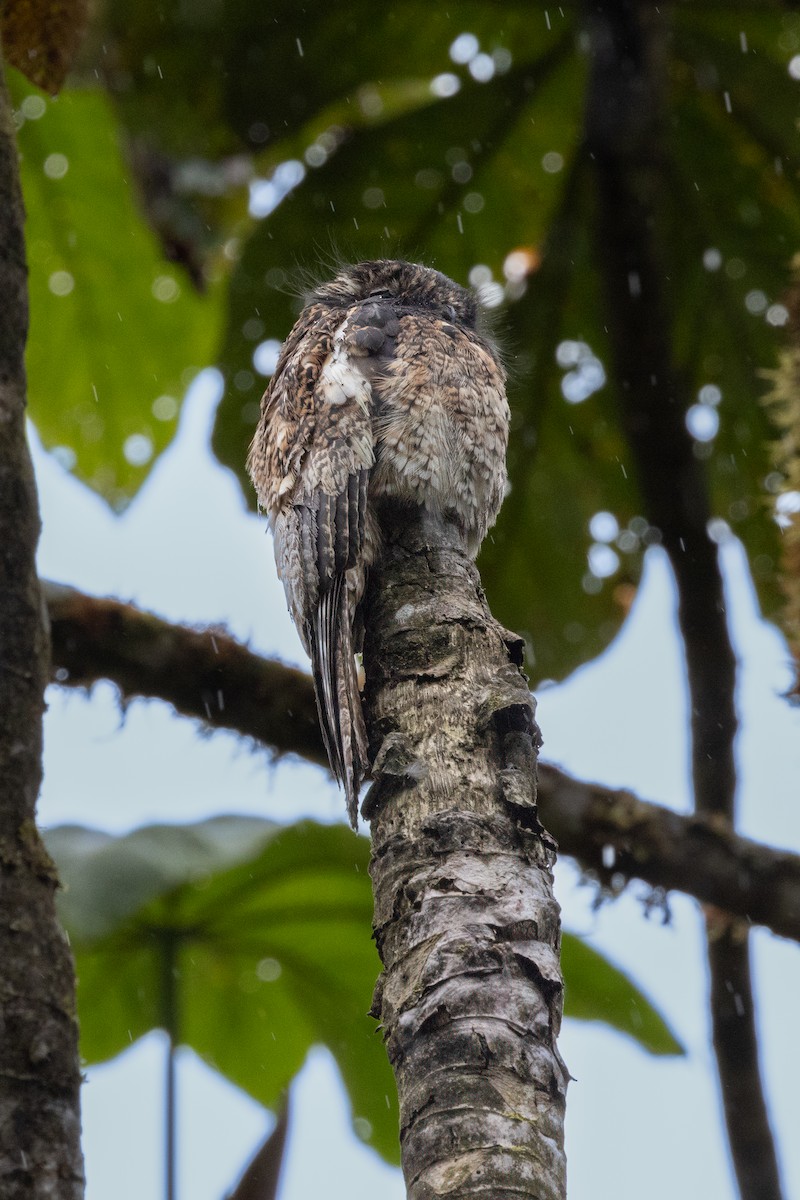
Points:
(311, 460)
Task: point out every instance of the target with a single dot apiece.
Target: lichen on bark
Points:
(466, 924)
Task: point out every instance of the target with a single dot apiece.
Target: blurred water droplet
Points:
(56, 166)
(61, 283)
(138, 449)
(603, 527)
(464, 48)
(445, 85)
(164, 408)
(702, 421)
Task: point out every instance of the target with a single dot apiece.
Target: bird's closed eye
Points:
(383, 293)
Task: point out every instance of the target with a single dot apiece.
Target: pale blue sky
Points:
(188, 549)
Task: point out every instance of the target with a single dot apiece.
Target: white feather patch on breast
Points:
(341, 379)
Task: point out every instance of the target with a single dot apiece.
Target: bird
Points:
(387, 389)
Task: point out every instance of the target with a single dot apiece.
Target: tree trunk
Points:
(470, 998)
(625, 131)
(39, 1077)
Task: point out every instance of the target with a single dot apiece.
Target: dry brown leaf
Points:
(41, 38)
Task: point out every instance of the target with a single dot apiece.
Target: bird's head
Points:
(409, 284)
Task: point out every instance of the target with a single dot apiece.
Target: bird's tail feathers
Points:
(336, 686)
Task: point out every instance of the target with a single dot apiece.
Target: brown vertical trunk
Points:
(39, 1076)
(465, 920)
(625, 130)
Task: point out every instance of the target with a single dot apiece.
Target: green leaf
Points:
(114, 328)
(596, 990)
(251, 942)
(510, 202)
(262, 933)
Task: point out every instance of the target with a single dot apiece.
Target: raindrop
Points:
(628, 541)
(299, 46)
(33, 107)
(253, 328)
(519, 264)
(777, 314)
(755, 302)
(609, 856)
(553, 162)
(370, 102)
(288, 174)
(603, 561)
(702, 421)
(454, 154)
(712, 259)
(373, 197)
(727, 98)
(587, 376)
(362, 1128)
(473, 202)
(735, 268)
(709, 394)
(568, 354)
(265, 356)
(166, 289)
(165, 408)
(464, 48)
(56, 166)
(316, 155)
(794, 67)
(774, 482)
(502, 60)
(743, 41)
(462, 172)
(264, 197)
(445, 85)
(603, 527)
(591, 584)
(258, 132)
(428, 177)
(481, 68)
(268, 970)
(479, 274)
(243, 380)
(138, 449)
(639, 526)
(61, 283)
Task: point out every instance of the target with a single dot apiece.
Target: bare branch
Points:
(147, 657)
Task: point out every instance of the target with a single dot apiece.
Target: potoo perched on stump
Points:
(386, 390)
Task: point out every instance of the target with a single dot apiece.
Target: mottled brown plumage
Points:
(384, 390)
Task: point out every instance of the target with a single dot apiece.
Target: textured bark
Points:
(625, 134)
(274, 704)
(465, 920)
(39, 1077)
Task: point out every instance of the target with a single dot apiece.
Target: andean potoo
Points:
(386, 391)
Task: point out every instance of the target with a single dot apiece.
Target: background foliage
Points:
(203, 159)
